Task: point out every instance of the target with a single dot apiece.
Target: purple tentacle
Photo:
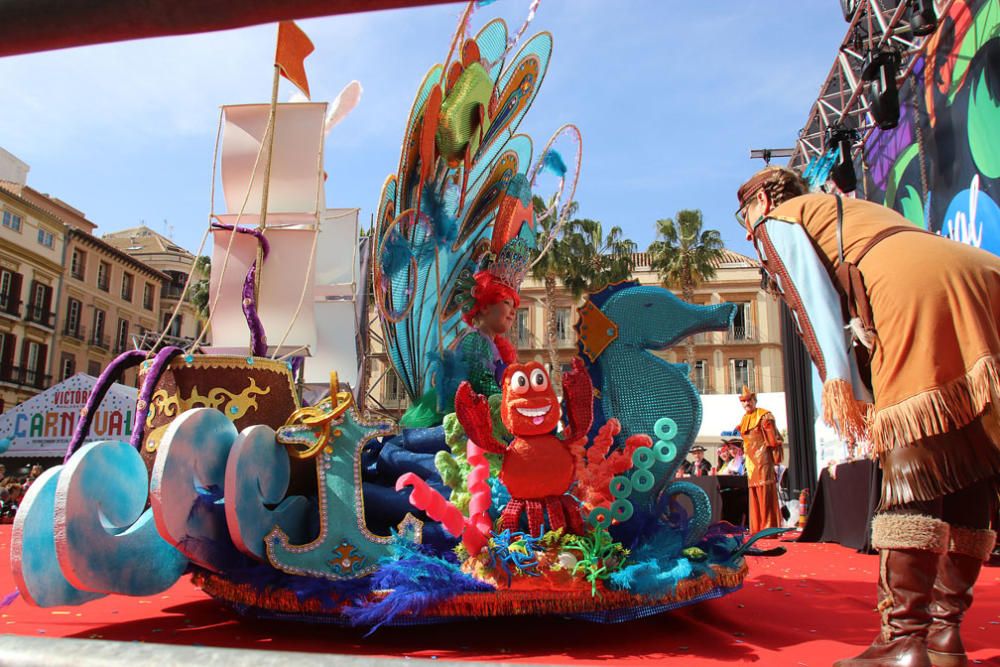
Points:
(160, 362)
(107, 378)
(258, 337)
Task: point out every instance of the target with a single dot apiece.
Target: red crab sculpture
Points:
(538, 467)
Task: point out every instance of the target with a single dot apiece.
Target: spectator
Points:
(699, 466)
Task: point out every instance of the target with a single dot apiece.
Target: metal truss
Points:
(875, 26)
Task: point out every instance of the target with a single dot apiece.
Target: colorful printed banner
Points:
(43, 425)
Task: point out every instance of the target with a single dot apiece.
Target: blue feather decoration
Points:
(396, 253)
(553, 161)
(415, 581)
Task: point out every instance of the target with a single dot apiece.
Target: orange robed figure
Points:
(762, 450)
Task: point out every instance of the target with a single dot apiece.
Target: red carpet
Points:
(808, 607)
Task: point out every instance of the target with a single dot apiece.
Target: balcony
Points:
(172, 291)
(24, 377)
(741, 334)
(40, 315)
(76, 333)
(10, 304)
(101, 342)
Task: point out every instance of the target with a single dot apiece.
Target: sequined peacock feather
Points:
(460, 193)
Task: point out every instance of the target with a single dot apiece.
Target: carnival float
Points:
(289, 504)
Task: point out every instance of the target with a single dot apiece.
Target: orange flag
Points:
(293, 47)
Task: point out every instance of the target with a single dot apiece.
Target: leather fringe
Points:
(843, 412)
(940, 465)
(938, 410)
(496, 603)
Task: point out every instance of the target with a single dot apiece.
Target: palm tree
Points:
(583, 258)
(684, 255)
(200, 286)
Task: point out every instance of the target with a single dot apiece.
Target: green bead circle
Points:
(665, 428)
(643, 458)
(665, 451)
(599, 517)
(642, 480)
(621, 510)
(621, 486)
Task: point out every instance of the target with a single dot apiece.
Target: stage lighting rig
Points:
(923, 18)
(842, 173)
(766, 154)
(879, 72)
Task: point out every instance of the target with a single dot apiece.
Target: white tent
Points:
(44, 424)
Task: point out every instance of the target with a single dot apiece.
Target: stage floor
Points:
(808, 607)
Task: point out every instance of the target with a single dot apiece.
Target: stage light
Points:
(842, 173)
(848, 7)
(879, 71)
(923, 18)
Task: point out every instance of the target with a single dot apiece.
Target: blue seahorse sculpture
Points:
(616, 330)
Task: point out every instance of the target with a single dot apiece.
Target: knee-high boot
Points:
(957, 573)
(909, 548)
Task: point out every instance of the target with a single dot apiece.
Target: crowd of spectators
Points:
(13, 486)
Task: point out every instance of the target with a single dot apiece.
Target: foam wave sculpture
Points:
(106, 538)
(257, 475)
(33, 560)
(186, 489)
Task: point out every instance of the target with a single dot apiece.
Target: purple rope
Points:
(258, 337)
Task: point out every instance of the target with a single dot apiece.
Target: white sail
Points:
(337, 281)
(295, 202)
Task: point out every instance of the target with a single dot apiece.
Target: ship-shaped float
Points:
(273, 497)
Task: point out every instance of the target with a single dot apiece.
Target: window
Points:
(94, 368)
(104, 276)
(78, 264)
(127, 286)
(173, 328)
(40, 304)
(121, 341)
(701, 376)
(523, 333)
(147, 296)
(741, 327)
(98, 326)
(45, 238)
(73, 310)
(33, 360)
(10, 291)
(563, 324)
(8, 342)
(12, 221)
(741, 373)
(67, 366)
(393, 387)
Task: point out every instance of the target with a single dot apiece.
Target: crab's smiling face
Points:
(530, 406)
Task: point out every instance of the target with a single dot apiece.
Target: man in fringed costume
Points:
(762, 448)
(921, 313)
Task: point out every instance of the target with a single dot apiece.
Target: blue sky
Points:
(670, 96)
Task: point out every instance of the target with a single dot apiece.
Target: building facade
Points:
(32, 252)
(748, 353)
(176, 263)
(106, 297)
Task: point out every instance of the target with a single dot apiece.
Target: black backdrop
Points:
(799, 407)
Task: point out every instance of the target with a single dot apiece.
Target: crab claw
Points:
(473, 412)
(578, 394)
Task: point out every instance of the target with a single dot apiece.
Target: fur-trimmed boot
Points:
(957, 573)
(909, 548)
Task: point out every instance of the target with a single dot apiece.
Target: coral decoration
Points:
(596, 465)
(474, 529)
(538, 467)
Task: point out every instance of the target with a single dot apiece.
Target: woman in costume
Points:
(923, 314)
(762, 445)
